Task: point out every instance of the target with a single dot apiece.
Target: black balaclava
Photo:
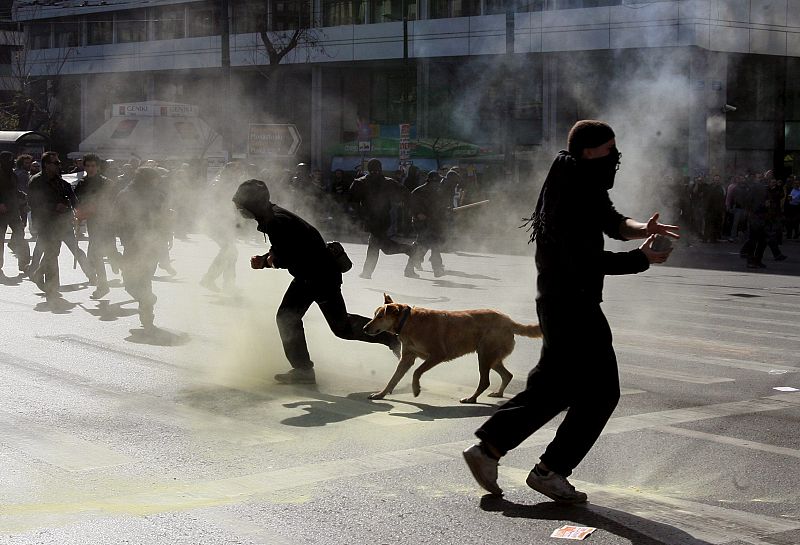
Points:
(591, 133)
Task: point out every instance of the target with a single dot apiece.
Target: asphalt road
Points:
(108, 435)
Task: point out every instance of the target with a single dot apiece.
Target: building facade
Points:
(690, 85)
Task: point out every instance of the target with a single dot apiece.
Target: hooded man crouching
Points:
(317, 278)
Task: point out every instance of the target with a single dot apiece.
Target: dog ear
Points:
(387, 300)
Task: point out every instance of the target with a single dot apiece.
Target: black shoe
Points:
(780, 257)
(438, 272)
(365, 276)
(100, 292)
(297, 376)
(409, 273)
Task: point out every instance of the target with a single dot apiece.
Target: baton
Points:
(470, 205)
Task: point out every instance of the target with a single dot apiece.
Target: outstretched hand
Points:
(655, 228)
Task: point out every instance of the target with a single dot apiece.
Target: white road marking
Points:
(671, 374)
(54, 447)
(748, 365)
(637, 509)
(733, 441)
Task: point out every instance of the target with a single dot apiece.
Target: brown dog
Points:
(439, 335)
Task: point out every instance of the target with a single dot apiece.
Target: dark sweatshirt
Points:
(298, 247)
(571, 260)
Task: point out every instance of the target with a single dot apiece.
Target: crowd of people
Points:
(755, 208)
(145, 205)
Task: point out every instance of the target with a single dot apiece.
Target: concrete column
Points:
(423, 99)
(85, 104)
(549, 103)
(707, 81)
(316, 117)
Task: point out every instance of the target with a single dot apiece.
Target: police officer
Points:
(96, 195)
(297, 246)
(12, 202)
(374, 195)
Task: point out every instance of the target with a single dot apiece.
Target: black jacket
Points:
(374, 196)
(45, 195)
(96, 194)
(298, 247)
(570, 258)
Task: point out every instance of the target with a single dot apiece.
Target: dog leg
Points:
(505, 377)
(426, 366)
(484, 365)
(405, 363)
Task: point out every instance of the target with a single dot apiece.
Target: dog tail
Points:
(527, 330)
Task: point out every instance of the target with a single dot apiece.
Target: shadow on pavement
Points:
(434, 412)
(467, 254)
(325, 409)
(636, 529)
(157, 337)
(11, 280)
(73, 287)
(461, 274)
(55, 305)
(448, 284)
(108, 312)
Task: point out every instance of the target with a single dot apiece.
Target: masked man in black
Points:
(374, 195)
(580, 376)
(96, 195)
(12, 203)
(298, 247)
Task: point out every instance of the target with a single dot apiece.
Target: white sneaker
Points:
(483, 468)
(555, 487)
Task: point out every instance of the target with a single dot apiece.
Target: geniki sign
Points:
(155, 109)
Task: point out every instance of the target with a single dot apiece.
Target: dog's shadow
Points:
(428, 413)
(637, 530)
(323, 409)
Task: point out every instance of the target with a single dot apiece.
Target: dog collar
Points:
(403, 318)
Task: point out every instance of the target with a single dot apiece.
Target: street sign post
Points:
(265, 140)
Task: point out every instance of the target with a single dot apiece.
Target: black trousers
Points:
(17, 243)
(430, 238)
(577, 372)
(296, 302)
(139, 262)
(381, 242)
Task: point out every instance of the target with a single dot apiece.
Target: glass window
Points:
(290, 14)
(249, 16)
(454, 8)
(170, 23)
(202, 20)
(39, 34)
(99, 29)
(131, 26)
(343, 12)
(67, 34)
(384, 11)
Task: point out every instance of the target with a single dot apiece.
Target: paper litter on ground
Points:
(573, 532)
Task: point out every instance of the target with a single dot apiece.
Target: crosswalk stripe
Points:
(54, 447)
(734, 441)
(635, 508)
(668, 374)
(734, 363)
(228, 490)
